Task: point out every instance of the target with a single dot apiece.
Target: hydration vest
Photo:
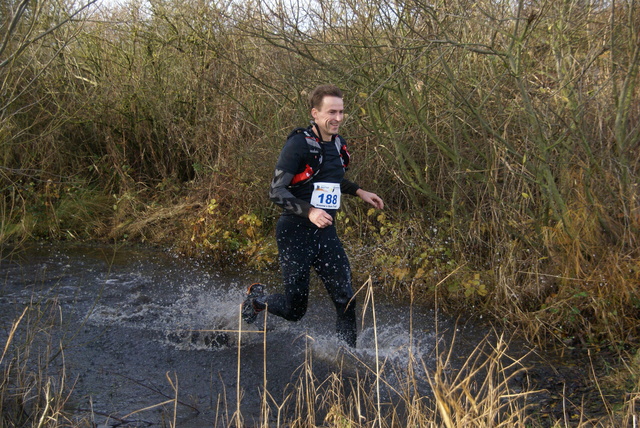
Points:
(315, 155)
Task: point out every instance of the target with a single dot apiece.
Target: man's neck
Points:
(325, 139)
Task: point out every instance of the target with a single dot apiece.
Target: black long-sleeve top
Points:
(295, 200)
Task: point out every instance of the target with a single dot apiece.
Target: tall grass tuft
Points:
(34, 387)
(481, 392)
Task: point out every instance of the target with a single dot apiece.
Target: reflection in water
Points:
(131, 316)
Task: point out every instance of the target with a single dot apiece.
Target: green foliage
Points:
(50, 209)
(402, 251)
(240, 243)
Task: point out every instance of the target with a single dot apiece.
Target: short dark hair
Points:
(317, 95)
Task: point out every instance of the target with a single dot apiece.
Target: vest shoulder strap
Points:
(313, 159)
(314, 155)
(341, 146)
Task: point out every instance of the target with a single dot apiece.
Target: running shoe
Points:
(250, 307)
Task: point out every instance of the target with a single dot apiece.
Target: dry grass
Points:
(488, 389)
(33, 392)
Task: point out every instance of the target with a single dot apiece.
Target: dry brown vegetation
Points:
(503, 136)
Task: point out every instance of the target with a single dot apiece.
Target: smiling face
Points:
(329, 116)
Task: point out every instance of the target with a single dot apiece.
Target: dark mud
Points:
(135, 321)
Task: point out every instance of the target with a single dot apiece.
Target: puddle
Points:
(133, 316)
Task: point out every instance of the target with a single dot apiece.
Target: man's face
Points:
(329, 116)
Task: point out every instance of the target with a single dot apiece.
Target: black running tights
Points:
(300, 248)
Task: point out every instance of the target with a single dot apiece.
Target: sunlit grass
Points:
(488, 388)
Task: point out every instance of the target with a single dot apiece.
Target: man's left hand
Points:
(370, 198)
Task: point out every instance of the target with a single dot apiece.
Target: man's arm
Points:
(349, 187)
(280, 195)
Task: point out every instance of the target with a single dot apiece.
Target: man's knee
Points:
(344, 298)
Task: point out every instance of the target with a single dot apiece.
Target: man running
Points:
(308, 184)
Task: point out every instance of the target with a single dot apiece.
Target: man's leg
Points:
(332, 266)
(296, 248)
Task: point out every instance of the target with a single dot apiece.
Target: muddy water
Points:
(131, 318)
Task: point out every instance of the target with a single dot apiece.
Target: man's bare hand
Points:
(320, 217)
(371, 198)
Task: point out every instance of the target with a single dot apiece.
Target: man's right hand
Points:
(320, 217)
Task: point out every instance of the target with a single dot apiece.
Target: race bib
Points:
(326, 196)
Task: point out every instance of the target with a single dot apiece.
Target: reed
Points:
(33, 389)
(487, 389)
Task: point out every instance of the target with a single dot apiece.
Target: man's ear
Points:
(314, 113)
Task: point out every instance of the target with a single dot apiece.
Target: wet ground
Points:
(137, 324)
